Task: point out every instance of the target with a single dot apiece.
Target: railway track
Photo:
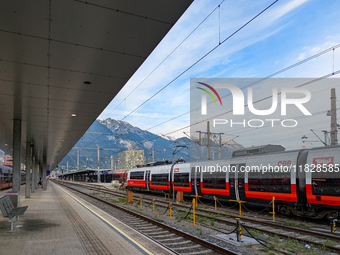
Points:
(175, 240)
(307, 236)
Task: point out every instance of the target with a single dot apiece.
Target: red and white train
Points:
(304, 182)
(6, 177)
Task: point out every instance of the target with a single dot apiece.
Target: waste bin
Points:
(15, 197)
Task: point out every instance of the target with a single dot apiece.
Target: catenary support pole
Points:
(334, 127)
(77, 159)
(98, 180)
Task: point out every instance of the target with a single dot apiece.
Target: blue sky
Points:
(290, 31)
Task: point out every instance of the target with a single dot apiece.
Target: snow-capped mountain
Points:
(167, 137)
(114, 136)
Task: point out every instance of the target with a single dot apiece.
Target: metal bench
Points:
(8, 210)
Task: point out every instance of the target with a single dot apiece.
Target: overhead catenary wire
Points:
(298, 117)
(146, 77)
(200, 59)
(260, 100)
(267, 77)
(195, 63)
(272, 75)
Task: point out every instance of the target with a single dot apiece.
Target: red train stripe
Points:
(216, 191)
(163, 187)
(289, 197)
(323, 200)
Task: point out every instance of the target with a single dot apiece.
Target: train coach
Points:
(304, 182)
(6, 177)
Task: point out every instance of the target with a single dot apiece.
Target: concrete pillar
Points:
(40, 172)
(44, 172)
(37, 175)
(28, 170)
(16, 155)
(34, 174)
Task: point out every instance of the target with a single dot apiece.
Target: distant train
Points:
(6, 177)
(105, 177)
(304, 182)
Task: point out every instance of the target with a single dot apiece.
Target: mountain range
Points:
(114, 136)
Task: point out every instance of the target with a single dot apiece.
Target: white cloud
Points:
(175, 99)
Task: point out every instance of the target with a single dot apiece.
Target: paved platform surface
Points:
(58, 222)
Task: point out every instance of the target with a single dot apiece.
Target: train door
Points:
(196, 181)
(232, 180)
(240, 183)
(147, 180)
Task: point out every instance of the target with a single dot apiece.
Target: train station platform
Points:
(58, 222)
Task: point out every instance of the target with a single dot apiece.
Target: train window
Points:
(118, 176)
(208, 181)
(181, 179)
(214, 180)
(256, 182)
(139, 175)
(270, 182)
(160, 179)
(220, 182)
(279, 182)
(323, 185)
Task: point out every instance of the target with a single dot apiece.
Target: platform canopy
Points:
(63, 61)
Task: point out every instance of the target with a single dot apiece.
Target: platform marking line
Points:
(117, 230)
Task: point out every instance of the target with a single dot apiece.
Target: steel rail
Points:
(176, 231)
(244, 218)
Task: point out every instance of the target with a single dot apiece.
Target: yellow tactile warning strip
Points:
(129, 237)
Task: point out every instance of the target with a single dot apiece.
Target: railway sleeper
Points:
(178, 243)
(304, 237)
(164, 235)
(170, 239)
(151, 227)
(197, 252)
(140, 224)
(155, 233)
(186, 248)
(152, 231)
